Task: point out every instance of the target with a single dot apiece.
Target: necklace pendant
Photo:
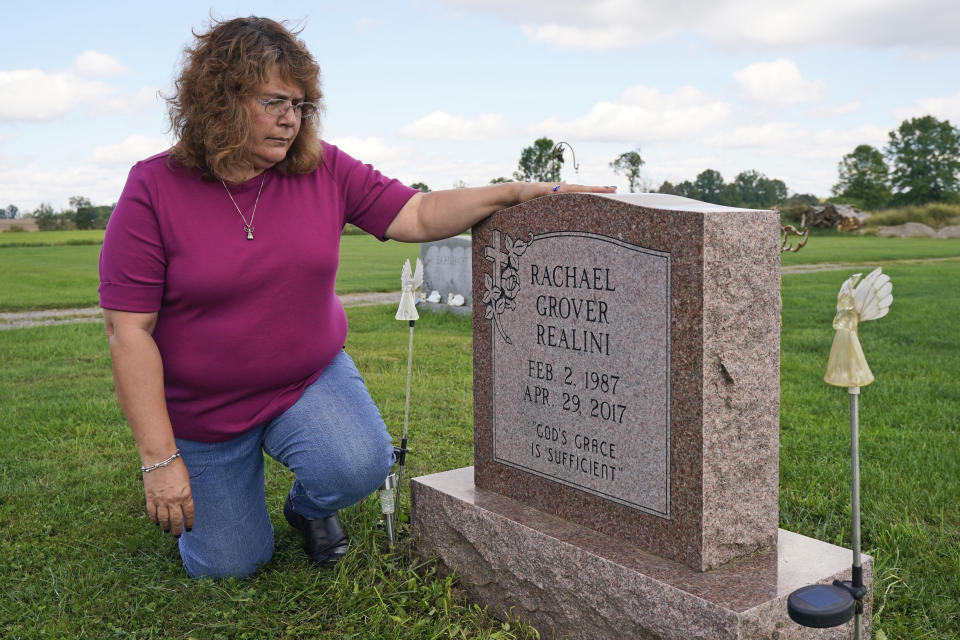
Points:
(249, 231)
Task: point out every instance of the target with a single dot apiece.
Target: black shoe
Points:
(323, 538)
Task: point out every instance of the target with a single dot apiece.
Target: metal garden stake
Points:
(824, 605)
(390, 492)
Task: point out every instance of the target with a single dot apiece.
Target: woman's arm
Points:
(441, 214)
(138, 377)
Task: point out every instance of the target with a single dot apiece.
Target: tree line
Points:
(542, 162)
(82, 214)
(920, 164)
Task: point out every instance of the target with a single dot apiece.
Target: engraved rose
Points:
(501, 288)
(510, 283)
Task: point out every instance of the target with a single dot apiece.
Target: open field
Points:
(65, 276)
(848, 249)
(51, 238)
(81, 559)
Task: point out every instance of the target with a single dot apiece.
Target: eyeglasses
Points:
(279, 106)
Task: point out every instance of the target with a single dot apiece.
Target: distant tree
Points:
(628, 164)
(103, 213)
(47, 219)
(460, 184)
(539, 162)
(84, 214)
(422, 186)
(500, 180)
(924, 155)
(687, 189)
(754, 190)
(774, 191)
(709, 186)
(802, 198)
(11, 212)
(730, 195)
(667, 187)
(864, 178)
(749, 189)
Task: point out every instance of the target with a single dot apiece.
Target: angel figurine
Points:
(410, 282)
(847, 366)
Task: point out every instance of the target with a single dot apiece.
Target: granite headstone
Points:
(626, 369)
(447, 270)
(626, 422)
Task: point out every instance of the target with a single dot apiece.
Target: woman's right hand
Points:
(138, 377)
(169, 498)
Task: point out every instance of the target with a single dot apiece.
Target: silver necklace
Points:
(247, 227)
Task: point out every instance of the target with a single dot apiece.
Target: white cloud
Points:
(32, 94)
(27, 185)
(443, 171)
(94, 63)
(640, 115)
(130, 150)
(772, 138)
(768, 134)
(597, 38)
(846, 109)
(440, 125)
(881, 24)
(779, 83)
(942, 108)
(388, 159)
(143, 99)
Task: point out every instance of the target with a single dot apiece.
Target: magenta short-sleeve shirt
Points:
(243, 326)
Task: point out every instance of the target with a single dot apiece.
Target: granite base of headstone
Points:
(573, 583)
(447, 270)
(626, 425)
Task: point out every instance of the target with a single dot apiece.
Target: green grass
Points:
(51, 238)
(62, 277)
(910, 427)
(81, 560)
(366, 264)
(853, 249)
(53, 277)
(65, 276)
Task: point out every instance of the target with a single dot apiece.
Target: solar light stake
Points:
(830, 605)
(410, 281)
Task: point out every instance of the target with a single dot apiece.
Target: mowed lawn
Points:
(81, 560)
(64, 275)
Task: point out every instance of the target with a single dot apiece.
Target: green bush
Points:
(15, 228)
(934, 214)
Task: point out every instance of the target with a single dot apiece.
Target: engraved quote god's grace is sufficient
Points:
(581, 363)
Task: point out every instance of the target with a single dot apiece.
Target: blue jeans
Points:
(332, 438)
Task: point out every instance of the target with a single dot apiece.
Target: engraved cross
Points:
(497, 257)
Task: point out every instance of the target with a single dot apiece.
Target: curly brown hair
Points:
(209, 110)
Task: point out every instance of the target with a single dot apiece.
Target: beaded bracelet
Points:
(162, 463)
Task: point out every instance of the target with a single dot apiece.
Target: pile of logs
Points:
(836, 216)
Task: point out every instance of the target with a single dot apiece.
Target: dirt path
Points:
(839, 266)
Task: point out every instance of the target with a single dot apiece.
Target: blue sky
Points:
(443, 91)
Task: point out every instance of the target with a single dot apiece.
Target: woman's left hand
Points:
(531, 190)
(441, 214)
